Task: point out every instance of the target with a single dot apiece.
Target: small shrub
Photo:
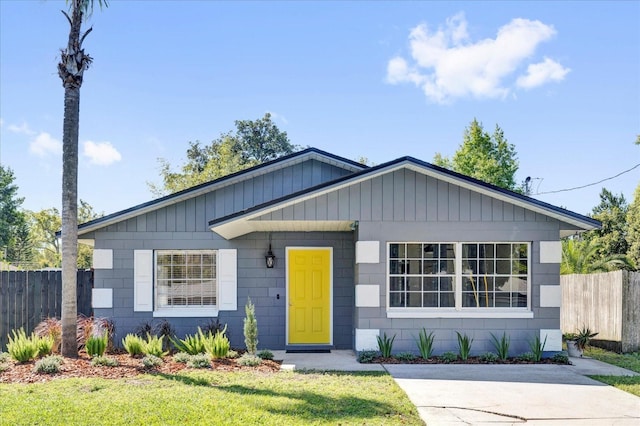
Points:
(265, 354)
(182, 357)
(143, 329)
(214, 325)
(133, 344)
(527, 357)
(4, 357)
(97, 345)
(449, 357)
(192, 345)
(199, 361)
(154, 346)
(21, 347)
(232, 354)
(250, 328)
(48, 365)
(249, 360)
(164, 329)
(464, 346)
(151, 361)
(502, 345)
(217, 346)
(537, 348)
(425, 344)
(405, 356)
(44, 344)
(51, 327)
(366, 357)
(385, 345)
(104, 361)
(489, 357)
(560, 358)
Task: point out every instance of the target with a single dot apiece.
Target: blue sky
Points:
(374, 79)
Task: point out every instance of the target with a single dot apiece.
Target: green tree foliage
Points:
(489, 158)
(582, 257)
(250, 328)
(253, 143)
(633, 227)
(21, 251)
(10, 218)
(612, 237)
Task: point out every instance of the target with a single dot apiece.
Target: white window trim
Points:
(182, 311)
(459, 311)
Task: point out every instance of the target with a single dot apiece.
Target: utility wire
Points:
(590, 184)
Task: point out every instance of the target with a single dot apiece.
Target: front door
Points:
(309, 296)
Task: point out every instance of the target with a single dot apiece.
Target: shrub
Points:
(489, 357)
(192, 345)
(366, 357)
(133, 344)
(250, 328)
(464, 346)
(104, 361)
(526, 357)
(48, 365)
(449, 357)
(4, 357)
(199, 361)
(265, 354)
(97, 345)
(385, 345)
(44, 344)
(502, 345)
(182, 357)
(164, 328)
(405, 356)
(217, 346)
(232, 354)
(143, 329)
(537, 348)
(21, 347)
(153, 346)
(425, 344)
(214, 325)
(560, 358)
(151, 361)
(249, 360)
(53, 328)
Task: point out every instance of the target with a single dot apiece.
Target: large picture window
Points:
(459, 276)
(185, 279)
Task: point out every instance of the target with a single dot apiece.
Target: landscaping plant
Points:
(104, 361)
(249, 360)
(385, 344)
(151, 361)
(133, 344)
(153, 346)
(97, 345)
(365, 357)
(464, 346)
(265, 354)
(199, 361)
(21, 347)
(425, 344)
(501, 346)
(405, 356)
(44, 344)
(537, 347)
(192, 345)
(48, 365)
(217, 346)
(449, 357)
(250, 328)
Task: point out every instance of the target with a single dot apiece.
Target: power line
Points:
(590, 184)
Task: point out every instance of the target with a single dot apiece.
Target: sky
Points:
(375, 79)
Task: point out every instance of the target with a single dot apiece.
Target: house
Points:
(359, 251)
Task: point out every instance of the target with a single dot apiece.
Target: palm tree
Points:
(581, 257)
(73, 63)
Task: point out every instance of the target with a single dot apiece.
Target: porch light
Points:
(270, 258)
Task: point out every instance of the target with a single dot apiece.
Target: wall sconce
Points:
(270, 258)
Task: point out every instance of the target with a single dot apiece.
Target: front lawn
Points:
(212, 398)
(630, 361)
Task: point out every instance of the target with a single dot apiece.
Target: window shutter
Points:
(143, 280)
(227, 265)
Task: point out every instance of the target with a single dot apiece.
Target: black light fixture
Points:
(270, 258)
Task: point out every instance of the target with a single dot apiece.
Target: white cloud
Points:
(45, 144)
(541, 73)
(101, 153)
(446, 65)
(22, 129)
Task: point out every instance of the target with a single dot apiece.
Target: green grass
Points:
(630, 361)
(212, 398)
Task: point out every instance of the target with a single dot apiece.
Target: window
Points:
(459, 276)
(185, 279)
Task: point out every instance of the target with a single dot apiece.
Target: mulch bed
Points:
(127, 367)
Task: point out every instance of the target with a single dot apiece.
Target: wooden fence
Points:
(608, 303)
(28, 297)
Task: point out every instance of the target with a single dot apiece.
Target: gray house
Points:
(357, 252)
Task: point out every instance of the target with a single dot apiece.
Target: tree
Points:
(73, 63)
(253, 143)
(581, 257)
(20, 251)
(10, 217)
(612, 237)
(489, 158)
(633, 228)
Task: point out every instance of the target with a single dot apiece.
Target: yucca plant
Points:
(217, 346)
(464, 346)
(385, 345)
(154, 346)
(537, 347)
(501, 345)
(191, 345)
(133, 344)
(425, 343)
(21, 347)
(97, 345)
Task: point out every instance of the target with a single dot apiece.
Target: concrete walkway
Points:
(462, 394)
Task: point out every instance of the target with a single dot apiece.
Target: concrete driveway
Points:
(516, 394)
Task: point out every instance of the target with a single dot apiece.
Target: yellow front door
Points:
(309, 295)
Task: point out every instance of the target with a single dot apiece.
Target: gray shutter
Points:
(143, 280)
(227, 266)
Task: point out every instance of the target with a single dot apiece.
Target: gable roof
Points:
(296, 157)
(241, 223)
